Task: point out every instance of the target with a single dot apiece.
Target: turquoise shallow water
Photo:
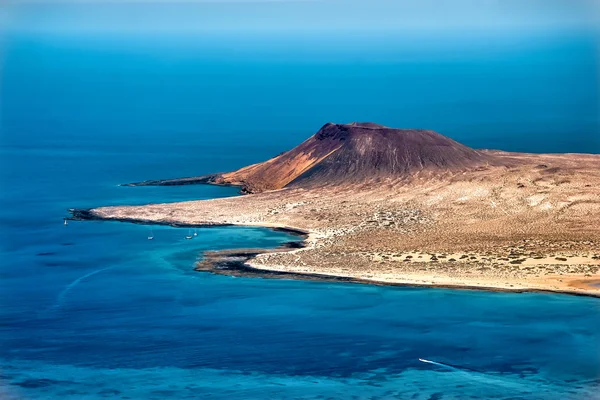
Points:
(94, 310)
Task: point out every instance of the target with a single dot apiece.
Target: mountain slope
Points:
(357, 152)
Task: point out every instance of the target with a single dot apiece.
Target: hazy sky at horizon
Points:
(193, 17)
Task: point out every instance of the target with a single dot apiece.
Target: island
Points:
(405, 207)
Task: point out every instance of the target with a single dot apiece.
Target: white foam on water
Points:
(436, 363)
(61, 297)
(483, 378)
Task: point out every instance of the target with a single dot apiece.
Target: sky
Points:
(297, 17)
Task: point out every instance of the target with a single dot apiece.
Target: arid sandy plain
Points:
(532, 226)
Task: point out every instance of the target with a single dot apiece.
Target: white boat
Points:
(65, 221)
(189, 235)
(151, 236)
(195, 233)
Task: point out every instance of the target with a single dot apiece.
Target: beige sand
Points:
(535, 226)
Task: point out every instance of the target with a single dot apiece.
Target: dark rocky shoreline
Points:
(235, 263)
(212, 179)
(195, 180)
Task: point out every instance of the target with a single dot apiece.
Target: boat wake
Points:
(63, 294)
(437, 363)
(503, 382)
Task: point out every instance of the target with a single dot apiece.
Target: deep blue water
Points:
(95, 310)
(538, 95)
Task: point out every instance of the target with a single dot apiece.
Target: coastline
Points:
(530, 223)
(87, 214)
(243, 262)
(273, 273)
(239, 262)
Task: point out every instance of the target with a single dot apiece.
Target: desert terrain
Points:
(411, 207)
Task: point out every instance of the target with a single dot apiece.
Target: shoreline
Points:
(238, 262)
(86, 214)
(338, 278)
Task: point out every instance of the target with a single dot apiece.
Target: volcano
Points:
(356, 153)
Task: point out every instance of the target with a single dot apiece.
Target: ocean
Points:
(94, 310)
